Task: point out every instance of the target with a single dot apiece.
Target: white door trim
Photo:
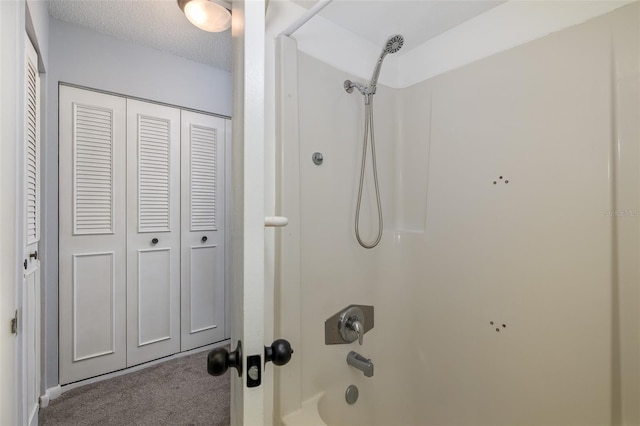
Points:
(12, 18)
(248, 238)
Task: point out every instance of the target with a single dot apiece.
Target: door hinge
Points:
(14, 324)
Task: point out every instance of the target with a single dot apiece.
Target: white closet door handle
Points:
(276, 221)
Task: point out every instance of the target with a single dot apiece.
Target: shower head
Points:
(393, 44)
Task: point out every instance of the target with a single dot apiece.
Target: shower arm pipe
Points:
(295, 25)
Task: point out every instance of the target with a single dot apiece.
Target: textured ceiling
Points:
(417, 20)
(159, 24)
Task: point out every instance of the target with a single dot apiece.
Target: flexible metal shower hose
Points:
(368, 126)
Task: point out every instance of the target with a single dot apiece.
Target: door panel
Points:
(94, 311)
(203, 248)
(153, 237)
(92, 277)
(32, 340)
(203, 294)
(154, 296)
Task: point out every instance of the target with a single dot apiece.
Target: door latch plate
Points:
(14, 324)
(254, 371)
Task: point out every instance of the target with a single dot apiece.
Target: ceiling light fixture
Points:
(209, 15)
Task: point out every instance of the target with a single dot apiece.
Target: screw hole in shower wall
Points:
(497, 328)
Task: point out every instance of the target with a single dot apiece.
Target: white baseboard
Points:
(49, 395)
(65, 388)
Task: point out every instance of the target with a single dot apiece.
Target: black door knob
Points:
(154, 241)
(204, 239)
(279, 352)
(219, 360)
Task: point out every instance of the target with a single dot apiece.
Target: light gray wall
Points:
(84, 57)
(87, 58)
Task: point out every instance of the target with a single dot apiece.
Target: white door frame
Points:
(248, 33)
(12, 36)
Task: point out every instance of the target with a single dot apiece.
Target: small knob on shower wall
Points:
(317, 158)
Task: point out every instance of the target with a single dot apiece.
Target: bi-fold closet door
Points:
(141, 232)
(92, 234)
(153, 231)
(203, 254)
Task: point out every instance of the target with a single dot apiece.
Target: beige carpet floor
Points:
(176, 392)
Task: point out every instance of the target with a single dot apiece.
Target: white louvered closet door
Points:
(203, 251)
(153, 237)
(92, 274)
(31, 290)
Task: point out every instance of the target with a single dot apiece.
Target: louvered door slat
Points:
(153, 169)
(203, 178)
(93, 170)
(32, 148)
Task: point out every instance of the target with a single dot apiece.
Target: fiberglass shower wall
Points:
(506, 283)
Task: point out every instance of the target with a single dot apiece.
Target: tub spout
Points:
(363, 364)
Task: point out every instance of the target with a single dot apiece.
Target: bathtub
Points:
(330, 408)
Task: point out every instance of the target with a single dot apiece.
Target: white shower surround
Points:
(538, 254)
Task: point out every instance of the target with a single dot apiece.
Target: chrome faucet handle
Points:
(351, 325)
(341, 328)
(356, 326)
